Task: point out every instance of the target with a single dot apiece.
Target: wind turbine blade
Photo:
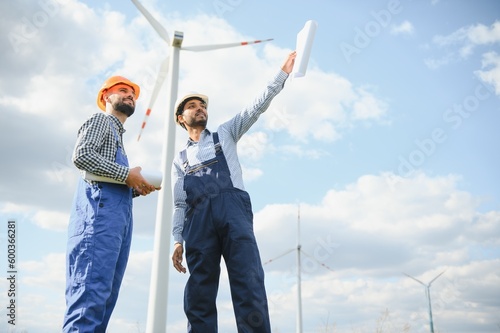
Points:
(202, 48)
(162, 74)
(317, 261)
(156, 25)
(411, 277)
(281, 255)
(436, 277)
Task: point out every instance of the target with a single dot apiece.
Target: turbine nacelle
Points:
(178, 37)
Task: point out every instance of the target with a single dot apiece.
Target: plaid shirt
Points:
(96, 147)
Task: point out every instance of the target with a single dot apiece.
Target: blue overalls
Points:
(219, 222)
(100, 231)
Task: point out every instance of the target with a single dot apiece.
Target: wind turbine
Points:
(299, 270)
(158, 292)
(299, 280)
(428, 294)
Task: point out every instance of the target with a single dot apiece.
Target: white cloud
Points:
(251, 174)
(466, 39)
(436, 63)
(491, 70)
(49, 273)
(41, 286)
(420, 225)
(481, 34)
(405, 28)
(53, 220)
(478, 34)
(300, 152)
(307, 110)
(368, 107)
(253, 145)
(411, 210)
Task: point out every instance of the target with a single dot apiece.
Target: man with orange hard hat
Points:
(100, 226)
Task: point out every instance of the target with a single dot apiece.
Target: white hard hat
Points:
(179, 104)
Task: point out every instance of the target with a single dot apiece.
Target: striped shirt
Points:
(229, 134)
(96, 147)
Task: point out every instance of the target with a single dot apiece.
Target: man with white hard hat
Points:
(213, 215)
(100, 227)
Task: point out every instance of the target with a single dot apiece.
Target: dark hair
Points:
(180, 108)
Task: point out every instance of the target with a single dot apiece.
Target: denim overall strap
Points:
(207, 179)
(120, 156)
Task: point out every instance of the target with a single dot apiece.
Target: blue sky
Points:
(387, 145)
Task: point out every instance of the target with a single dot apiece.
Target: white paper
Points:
(153, 177)
(305, 39)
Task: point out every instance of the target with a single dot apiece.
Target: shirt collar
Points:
(118, 124)
(206, 132)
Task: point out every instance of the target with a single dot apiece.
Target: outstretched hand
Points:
(289, 62)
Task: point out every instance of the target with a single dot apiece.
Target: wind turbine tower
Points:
(428, 294)
(300, 252)
(299, 280)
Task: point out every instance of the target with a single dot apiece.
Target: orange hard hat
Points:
(113, 81)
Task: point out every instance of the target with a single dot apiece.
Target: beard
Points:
(197, 122)
(124, 108)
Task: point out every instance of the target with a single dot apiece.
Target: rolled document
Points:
(305, 39)
(153, 177)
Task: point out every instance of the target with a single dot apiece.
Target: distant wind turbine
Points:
(428, 294)
(158, 293)
(299, 269)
